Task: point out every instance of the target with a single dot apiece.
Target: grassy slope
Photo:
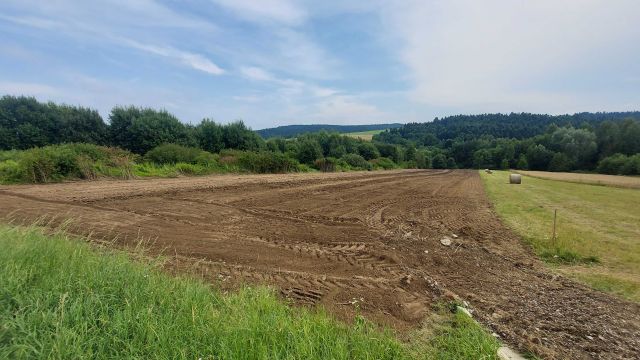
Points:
(594, 223)
(593, 179)
(364, 135)
(59, 298)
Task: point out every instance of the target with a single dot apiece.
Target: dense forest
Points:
(47, 142)
(603, 142)
(513, 126)
(288, 131)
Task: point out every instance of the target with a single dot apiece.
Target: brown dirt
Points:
(356, 240)
(632, 182)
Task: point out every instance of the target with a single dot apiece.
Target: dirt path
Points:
(357, 240)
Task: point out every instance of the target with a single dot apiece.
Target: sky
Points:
(279, 62)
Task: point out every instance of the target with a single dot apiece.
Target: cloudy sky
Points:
(275, 62)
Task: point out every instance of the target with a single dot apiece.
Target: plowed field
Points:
(367, 242)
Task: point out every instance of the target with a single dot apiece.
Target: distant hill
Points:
(295, 130)
(514, 125)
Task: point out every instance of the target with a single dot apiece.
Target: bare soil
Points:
(367, 242)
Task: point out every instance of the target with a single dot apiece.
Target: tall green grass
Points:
(597, 228)
(477, 343)
(61, 299)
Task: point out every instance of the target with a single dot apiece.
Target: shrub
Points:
(9, 171)
(368, 151)
(266, 162)
(440, 162)
(309, 150)
(522, 163)
(612, 164)
(190, 169)
(423, 160)
(326, 164)
(357, 161)
(383, 163)
(207, 159)
(560, 162)
(619, 164)
(632, 166)
(51, 163)
(173, 154)
(67, 161)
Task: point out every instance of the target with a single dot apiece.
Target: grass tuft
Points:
(452, 334)
(562, 255)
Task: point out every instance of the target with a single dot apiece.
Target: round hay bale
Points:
(515, 179)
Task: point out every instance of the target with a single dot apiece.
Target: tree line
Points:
(603, 142)
(26, 123)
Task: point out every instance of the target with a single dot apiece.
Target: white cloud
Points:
(96, 22)
(192, 60)
(33, 21)
(503, 54)
(287, 87)
(256, 73)
(266, 11)
(102, 14)
(199, 62)
(323, 91)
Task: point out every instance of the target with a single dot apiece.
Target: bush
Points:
(440, 161)
(173, 154)
(522, 163)
(49, 164)
(619, 164)
(9, 171)
(309, 150)
(560, 162)
(423, 160)
(383, 163)
(368, 151)
(69, 161)
(613, 164)
(326, 164)
(266, 162)
(357, 161)
(632, 166)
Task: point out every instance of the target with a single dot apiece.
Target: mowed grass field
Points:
(598, 228)
(61, 298)
(364, 135)
(594, 179)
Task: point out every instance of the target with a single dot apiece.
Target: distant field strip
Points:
(598, 227)
(364, 135)
(594, 179)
